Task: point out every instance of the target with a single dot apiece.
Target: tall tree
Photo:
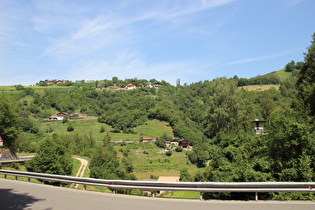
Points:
(53, 157)
(9, 122)
(306, 81)
(104, 164)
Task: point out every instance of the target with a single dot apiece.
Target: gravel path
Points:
(82, 168)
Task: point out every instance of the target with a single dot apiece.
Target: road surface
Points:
(24, 195)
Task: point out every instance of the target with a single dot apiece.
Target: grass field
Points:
(283, 74)
(153, 129)
(7, 88)
(158, 164)
(260, 87)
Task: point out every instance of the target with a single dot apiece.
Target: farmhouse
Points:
(183, 143)
(131, 86)
(59, 116)
(55, 117)
(62, 114)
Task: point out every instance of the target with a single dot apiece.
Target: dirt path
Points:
(82, 168)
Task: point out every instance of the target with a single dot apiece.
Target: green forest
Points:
(214, 116)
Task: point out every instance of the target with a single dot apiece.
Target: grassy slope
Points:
(152, 129)
(281, 73)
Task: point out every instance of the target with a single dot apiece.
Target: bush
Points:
(15, 166)
(70, 128)
(65, 119)
(179, 149)
(169, 153)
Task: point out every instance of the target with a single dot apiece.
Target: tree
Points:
(306, 80)
(185, 176)
(105, 165)
(290, 66)
(9, 122)
(106, 140)
(222, 113)
(70, 127)
(169, 153)
(115, 80)
(178, 149)
(53, 157)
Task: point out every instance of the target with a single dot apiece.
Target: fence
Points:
(154, 186)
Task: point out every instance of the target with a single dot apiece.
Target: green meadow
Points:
(153, 129)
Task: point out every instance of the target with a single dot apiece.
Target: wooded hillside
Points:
(215, 116)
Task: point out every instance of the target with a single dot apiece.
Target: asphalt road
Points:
(23, 195)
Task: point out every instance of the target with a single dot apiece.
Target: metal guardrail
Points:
(20, 159)
(155, 186)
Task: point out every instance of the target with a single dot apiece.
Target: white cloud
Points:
(117, 23)
(248, 60)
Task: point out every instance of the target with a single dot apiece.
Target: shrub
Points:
(169, 153)
(70, 128)
(15, 166)
(179, 149)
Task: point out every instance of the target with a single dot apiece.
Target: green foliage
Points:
(259, 80)
(9, 122)
(291, 146)
(161, 142)
(169, 153)
(102, 130)
(178, 149)
(306, 80)
(106, 140)
(229, 109)
(53, 157)
(70, 127)
(185, 176)
(65, 119)
(290, 66)
(15, 166)
(104, 164)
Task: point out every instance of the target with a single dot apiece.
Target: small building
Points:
(156, 84)
(131, 86)
(62, 114)
(146, 139)
(258, 126)
(183, 143)
(55, 118)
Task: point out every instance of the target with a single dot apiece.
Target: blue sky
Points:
(193, 40)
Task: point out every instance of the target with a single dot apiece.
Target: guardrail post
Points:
(256, 196)
(16, 177)
(153, 194)
(84, 186)
(201, 194)
(5, 176)
(29, 179)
